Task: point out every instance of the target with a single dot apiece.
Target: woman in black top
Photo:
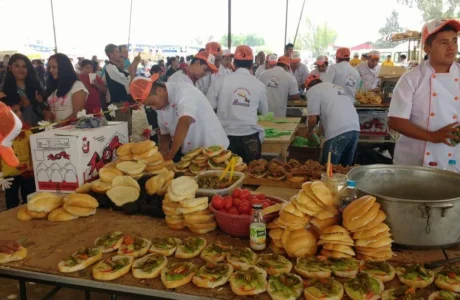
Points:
(173, 64)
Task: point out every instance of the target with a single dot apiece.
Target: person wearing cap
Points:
(339, 119)
(204, 83)
(321, 65)
(281, 86)
(185, 117)
(343, 74)
(202, 63)
(355, 61)
(226, 63)
(238, 97)
(270, 62)
(388, 62)
(425, 105)
(299, 70)
(369, 71)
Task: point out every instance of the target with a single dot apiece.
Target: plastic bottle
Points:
(347, 194)
(257, 229)
(452, 166)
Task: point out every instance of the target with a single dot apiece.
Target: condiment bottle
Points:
(257, 229)
(452, 166)
(347, 194)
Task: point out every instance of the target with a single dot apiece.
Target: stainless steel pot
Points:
(422, 204)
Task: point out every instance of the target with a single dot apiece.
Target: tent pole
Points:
(229, 40)
(285, 25)
(298, 24)
(54, 27)
(129, 30)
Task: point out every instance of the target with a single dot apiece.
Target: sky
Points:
(86, 26)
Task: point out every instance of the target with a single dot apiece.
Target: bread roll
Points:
(362, 221)
(108, 174)
(334, 254)
(131, 168)
(272, 209)
(291, 208)
(192, 218)
(174, 220)
(276, 234)
(81, 200)
(307, 202)
(100, 187)
(81, 263)
(165, 246)
(374, 244)
(321, 224)
(37, 215)
(236, 287)
(356, 209)
(142, 147)
(146, 154)
(159, 261)
(15, 256)
(190, 247)
(171, 283)
(176, 226)
(416, 282)
(120, 195)
(156, 158)
(124, 149)
(322, 192)
(335, 229)
(183, 186)
(368, 233)
(125, 181)
(100, 270)
(339, 248)
(292, 219)
(23, 214)
(301, 240)
(60, 215)
(44, 202)
(154, 184)
(327, 213)
(204, 278)
(337, 242)
(79, 211)
(128, 157)
(210, 225)
(193, 202)
(336, 237)
(381, 216)
(84, 189)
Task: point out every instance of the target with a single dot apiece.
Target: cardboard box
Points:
(66, 158)
(373, 123)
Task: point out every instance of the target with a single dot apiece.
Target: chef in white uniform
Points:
(238, 97)
(270, 62)
(299, 70)
(226, 63)
(204, 83)
(281, 86)
(426, 101)
(321, 65)
(343, 74)
(185, 117)
(369, 71)
(201, 65)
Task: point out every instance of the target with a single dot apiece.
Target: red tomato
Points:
(233, 211)
(244, 208)
(218, 202)
(265, 204)
(255, 201)
(245, 201)
(236, 202)
(245, 194)
(228, 203)
(227, 197)
(261, 196)
(236, 193)
(269, 202)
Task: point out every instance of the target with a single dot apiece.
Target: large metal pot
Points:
(422, 204)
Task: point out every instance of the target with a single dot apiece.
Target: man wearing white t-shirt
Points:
(185, 117)
(270, 63)
(343, 74)
(202, 64)
(204, 83)
(369, 71)
(238, 97)
(281, 86)
(299, 70)
(338, 118)
(321, 64)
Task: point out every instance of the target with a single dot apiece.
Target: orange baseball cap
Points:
(243, 52)
(10, 128)
(272, 59)
(209, 59)
(434, 26)
(310, 78)
(343, 53)
(214, 48)
(140, 87)
(285, 61)
(295, 56)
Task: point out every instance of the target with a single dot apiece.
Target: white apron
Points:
(444, 110)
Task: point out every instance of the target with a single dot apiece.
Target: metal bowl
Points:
(422, 204)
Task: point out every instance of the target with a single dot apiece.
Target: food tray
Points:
(222, 192)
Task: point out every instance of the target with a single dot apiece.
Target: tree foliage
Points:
(315, 38)
(435, 9)
(391, 25)
(251, 40)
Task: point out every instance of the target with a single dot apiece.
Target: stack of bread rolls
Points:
(81, 205)
(337, 242)
(364, 218)
(197, 217)
(180, 189)
(158, 185)
(124, 189)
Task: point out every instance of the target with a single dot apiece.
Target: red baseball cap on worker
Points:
(295, 56)
(285, 61)
(140, 87)
(10, 128)
(310, 78)
(214, 48)
(209, 59)
(343, 53)
(243, 52)
(272, 59)
(433, 26)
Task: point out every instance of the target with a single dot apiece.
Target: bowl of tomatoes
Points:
(234, 212)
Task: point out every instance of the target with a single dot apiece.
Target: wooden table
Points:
(280, 144)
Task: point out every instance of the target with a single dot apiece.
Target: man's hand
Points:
(9, 246)
(444, 134)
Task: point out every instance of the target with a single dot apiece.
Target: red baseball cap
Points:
(285, 60)
(343, 53)
(243, 52)
(140, 87)
(209, 59)
(433, 26)
(214, 48)
(310, 78)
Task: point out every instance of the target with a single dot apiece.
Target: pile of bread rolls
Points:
(337, 242)
(158, 185)
(364, 218)
(144, 153)
(57, 208)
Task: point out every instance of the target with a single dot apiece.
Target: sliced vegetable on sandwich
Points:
(274, 264)
(381, 270)
(113, 267)
(415, 276)
(249, 281)
(135, 247)
(165, 246)
(344, 267)
(241, 258)
(110, 241)
(444, 295)
(215, 252)
(448, 279)
(285, 286)
(364, 287)
(149, 266)
(80, 260)
(402, 293)
(178, 274)
(190, 247)
(313, 267)
(212, 275)
(323, 289)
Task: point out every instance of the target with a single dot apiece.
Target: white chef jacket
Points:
(368, 76)
(238, 97)
(204, 83)
(321, 75)
(186, 100)
(344, 75)
(337, 115)
(180, 76)
(301, 74)
(259, 71)
(412, 100)
(280, 85)
(222, 72)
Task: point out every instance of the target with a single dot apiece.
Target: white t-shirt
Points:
(62, 106)
(186, 100)
(204, 83)
(321, 75)
(280, 85)
(259, 71)
(336, 114)
(344, 75)
(238, 97)
(368, 76)
(301, 74)
(179, 76)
